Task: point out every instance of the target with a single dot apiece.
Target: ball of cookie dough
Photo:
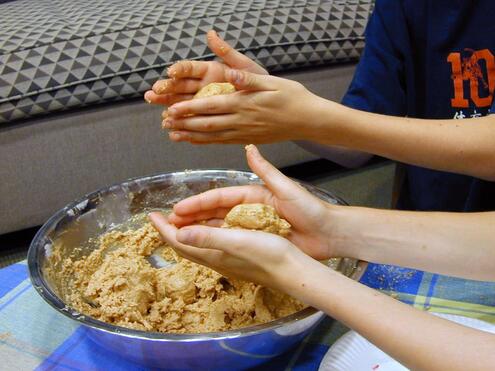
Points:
(215, 88)
(258, 217)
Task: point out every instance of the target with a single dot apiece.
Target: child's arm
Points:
(272, 109)
(460, 146)
(417, 339)
(455, 244)
(458, 244)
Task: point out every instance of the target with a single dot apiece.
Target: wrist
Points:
(324, 125)
(304, 280)
(344, 231)
(294, 265)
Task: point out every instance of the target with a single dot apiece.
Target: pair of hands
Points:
(265, 108)
(251, 255)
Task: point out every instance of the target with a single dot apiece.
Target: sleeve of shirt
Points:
(379, 81)
(492, 108)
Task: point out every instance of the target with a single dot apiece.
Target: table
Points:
(34, 336)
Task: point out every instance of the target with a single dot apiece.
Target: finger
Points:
(195, 137)
(221, 198)
(235, 242)
(230, 56)
(181, 221)
(169, 234)
(243, 80)
(207, 124)
(205, 106)
(188, 69)
(216, 223)
(167, 99)
(177, 86)
(278, 183)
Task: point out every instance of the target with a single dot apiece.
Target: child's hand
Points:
(309, 216)
(187, 77)
(255, 256)
(265, 109)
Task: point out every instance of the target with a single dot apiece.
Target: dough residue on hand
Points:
(116, 283)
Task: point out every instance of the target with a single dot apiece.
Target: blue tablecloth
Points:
(34, 336)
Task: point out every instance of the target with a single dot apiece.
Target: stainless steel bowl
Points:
(97, 212)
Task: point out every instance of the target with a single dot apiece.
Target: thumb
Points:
(230, 56)
(243, 80)
(280, 185)
(235, 242)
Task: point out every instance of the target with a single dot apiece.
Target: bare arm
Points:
(417, 339)
(454, 244)
(460, 146)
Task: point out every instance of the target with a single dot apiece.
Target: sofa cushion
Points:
(61, 54)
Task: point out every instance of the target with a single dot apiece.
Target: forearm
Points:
(456, 244)
(416, 339)
(343, 156)
(460, 146)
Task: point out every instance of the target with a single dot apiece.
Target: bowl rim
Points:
(54, 301)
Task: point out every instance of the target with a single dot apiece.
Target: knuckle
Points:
(187, 67)
(210, 106)
(206, 240)
(159, 86)
(177, 125)
(207, 125)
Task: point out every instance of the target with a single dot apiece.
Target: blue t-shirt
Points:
(430, 59)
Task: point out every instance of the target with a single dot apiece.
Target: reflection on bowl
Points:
(96, 213)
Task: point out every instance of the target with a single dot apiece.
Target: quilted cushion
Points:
(61, 54)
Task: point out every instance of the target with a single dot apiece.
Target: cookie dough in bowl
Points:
(76, 232)
(117, 283)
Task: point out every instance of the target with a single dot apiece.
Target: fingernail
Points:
(174, 136)
(154, 217)
(172, 111)
(167, 124)
(146, 99)
(185, 236)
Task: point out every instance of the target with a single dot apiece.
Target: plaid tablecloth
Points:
(34, 336)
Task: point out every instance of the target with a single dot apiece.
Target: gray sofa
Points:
(72, 118)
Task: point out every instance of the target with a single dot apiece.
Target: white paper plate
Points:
(353, 352)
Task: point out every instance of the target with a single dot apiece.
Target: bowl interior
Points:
(74, 227)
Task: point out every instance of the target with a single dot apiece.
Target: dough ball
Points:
(257, 217)
(215, 88)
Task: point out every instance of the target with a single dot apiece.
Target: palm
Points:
(306, 215)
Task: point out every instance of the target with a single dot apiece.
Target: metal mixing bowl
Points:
(96, 213)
